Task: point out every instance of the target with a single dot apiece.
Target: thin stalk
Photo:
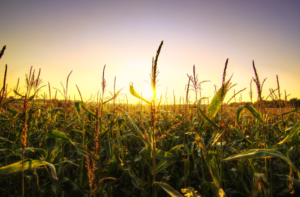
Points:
(2, 51)
(185, 113)
(153, 117)
(278, 87)
(259, 91)
(3, 88)
(24, 136)
(82, 157)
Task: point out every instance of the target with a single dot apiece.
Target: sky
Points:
(82, 36)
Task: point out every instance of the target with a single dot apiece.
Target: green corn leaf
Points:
(213, 167)
(261, 153)
(251, 109)
(199, 142)
(115, 96)
(134, 93)
(56, 110)
(215, 104)
(203, 114)
(81, 150)
(28, 165)
(238, 133)
(4, 140)
(170, 190)
(163, 164)
(28, 150)
(87, 109)
(164, 155)
(78, 107)
(55, 150)
(58, 134)
(76, 131)
(214, 139)
(66, 162)
(113, 164)
(72, 123)
(295, 141)
(12, 109)
(108, 147)
(15, 116)
(120, 143)
(134, 179)
(137, 131)
(292, 133)
(294, 110)
(77, 119)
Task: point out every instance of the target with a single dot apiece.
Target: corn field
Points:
(106, 148)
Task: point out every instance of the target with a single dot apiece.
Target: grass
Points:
(108, 148)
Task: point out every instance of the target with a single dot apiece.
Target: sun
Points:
(147, 92)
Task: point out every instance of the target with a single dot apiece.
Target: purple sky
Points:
(83, 36)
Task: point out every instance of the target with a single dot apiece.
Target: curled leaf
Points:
(134, 93)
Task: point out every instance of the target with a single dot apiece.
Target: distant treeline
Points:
(293, 103)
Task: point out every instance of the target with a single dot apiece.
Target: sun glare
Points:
(147, 92)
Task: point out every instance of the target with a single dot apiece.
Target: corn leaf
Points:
(162, 165)
(203, 114)
(200, 142)
(292, 133)
(251, 109)
(261, 153)
(170, 190)
(238, 133)
(55, 151)
(115, 96)
(78, 105)
(112, 165)
(134, 179)
(58, 134)
(28, 150)
(215, 104)
(294, 110)
(9, 119)
(56, 110)
(164, 155)
(134, 93)
(214, 139)
(108, 148)
(138, 132)
(213, 167)
(87, 109)
(28, 165)
(4, 140)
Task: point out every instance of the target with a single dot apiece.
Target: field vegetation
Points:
(102, 147)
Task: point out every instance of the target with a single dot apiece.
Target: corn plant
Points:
(102, 147)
